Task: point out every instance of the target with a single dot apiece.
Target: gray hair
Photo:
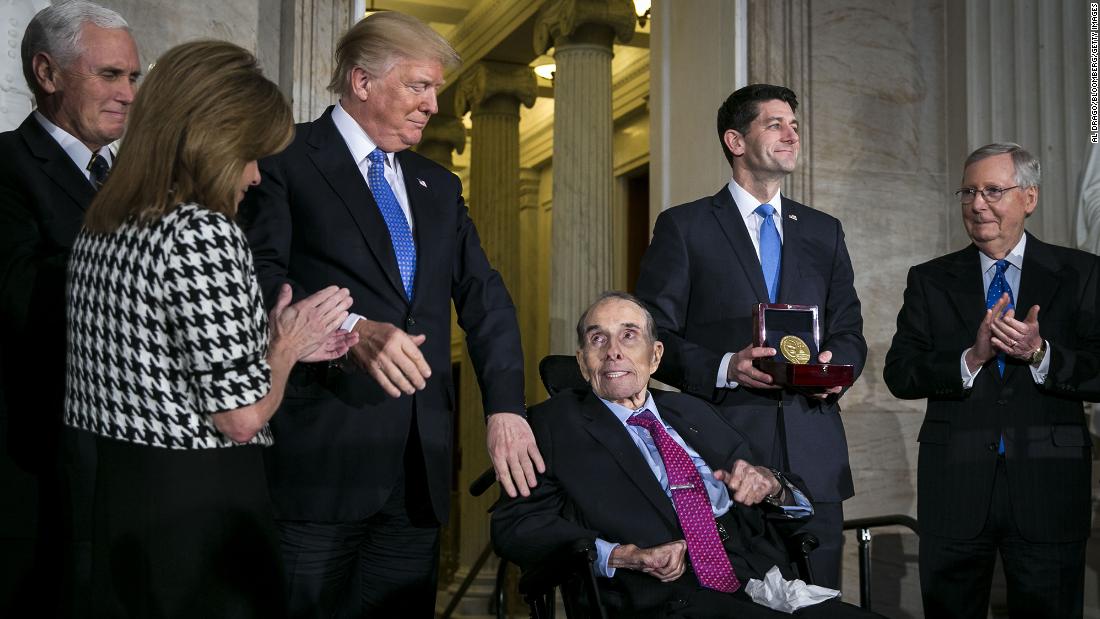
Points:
(650, 327)
(380, 40)
(1026, 165)
(56, 30)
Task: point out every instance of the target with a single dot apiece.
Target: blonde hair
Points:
(380, 40)
(203, 113)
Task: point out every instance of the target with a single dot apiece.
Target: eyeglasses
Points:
(989, 194)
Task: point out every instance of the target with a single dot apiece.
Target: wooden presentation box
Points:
(796, 327)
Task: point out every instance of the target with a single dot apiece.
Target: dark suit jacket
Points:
(701, 277)
(597, 484)
(1047, 446)
(312, 222)
(43, 196)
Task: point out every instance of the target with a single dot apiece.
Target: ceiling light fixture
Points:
(642, 9)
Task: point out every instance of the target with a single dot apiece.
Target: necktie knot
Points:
(98, 169)
(1001, 266)
(765, 210)
(642, 419)
(377, 156)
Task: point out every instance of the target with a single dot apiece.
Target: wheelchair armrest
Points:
(570, 559)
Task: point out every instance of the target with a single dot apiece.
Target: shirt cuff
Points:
(968, 377)
(723, 372)
(802, 507)
(349, 322)
(1039, 374)
(603, 553)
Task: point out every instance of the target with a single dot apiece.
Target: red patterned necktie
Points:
(689, 496)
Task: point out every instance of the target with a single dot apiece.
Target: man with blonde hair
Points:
(361, 469)
(81, 63)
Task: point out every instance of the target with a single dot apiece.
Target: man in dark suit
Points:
(1005, 458)
(612, 477)
(361, 470)
(81, 64)
(712, 260)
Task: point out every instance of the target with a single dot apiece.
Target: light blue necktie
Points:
(997, 287)
(771, 250)
(400, 235)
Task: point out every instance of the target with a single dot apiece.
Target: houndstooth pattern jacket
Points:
(166, 328)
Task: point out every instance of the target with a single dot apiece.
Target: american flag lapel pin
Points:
(422, 183)
(792, 216)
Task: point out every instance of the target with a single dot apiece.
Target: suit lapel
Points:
(56, 164)
(963, 281)
(695, 434)
(733, 226)
(792, 248)
(330, 154)
(426, 224)
(1039, 282)
(1040, 278)
(606, 429)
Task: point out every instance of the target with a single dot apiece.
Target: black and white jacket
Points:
(166, 328)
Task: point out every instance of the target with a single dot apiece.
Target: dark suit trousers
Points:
(385, 565)
(827, 524)
(1044, 580)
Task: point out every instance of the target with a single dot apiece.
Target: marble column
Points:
(686, 159)
(492, 92)
(534, 346)
(581, 33)
(443, 136)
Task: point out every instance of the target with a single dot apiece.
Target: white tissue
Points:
(786, 595)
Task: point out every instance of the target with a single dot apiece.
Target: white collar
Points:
(1014, 257)
(74, 148)
(746, 203)
(359, 143)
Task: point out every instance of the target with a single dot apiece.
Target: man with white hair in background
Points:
(81, 64)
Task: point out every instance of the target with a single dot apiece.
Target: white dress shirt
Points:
(747, 205)
(361, 146)
(1015, 259)
(80, 154)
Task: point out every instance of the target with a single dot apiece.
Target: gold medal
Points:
(794, 349)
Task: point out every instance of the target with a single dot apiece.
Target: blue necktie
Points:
(400, 235)
(997, 287)
(771, 250)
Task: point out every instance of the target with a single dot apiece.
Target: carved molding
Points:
(564, 17)
(487, 24)
(489, 79)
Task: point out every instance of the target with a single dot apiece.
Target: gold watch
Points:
(1039, 354)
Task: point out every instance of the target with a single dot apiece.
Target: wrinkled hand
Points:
(1014, 338)
(748, 484)
(335, 346)
(825, 357)
(982, 350)
(391, 356)
(309, 324)
(665, 562)
(742, 371)
(514, 453)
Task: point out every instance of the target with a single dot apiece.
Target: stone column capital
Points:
(488, 79)
(563, 20)
(445, 129)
